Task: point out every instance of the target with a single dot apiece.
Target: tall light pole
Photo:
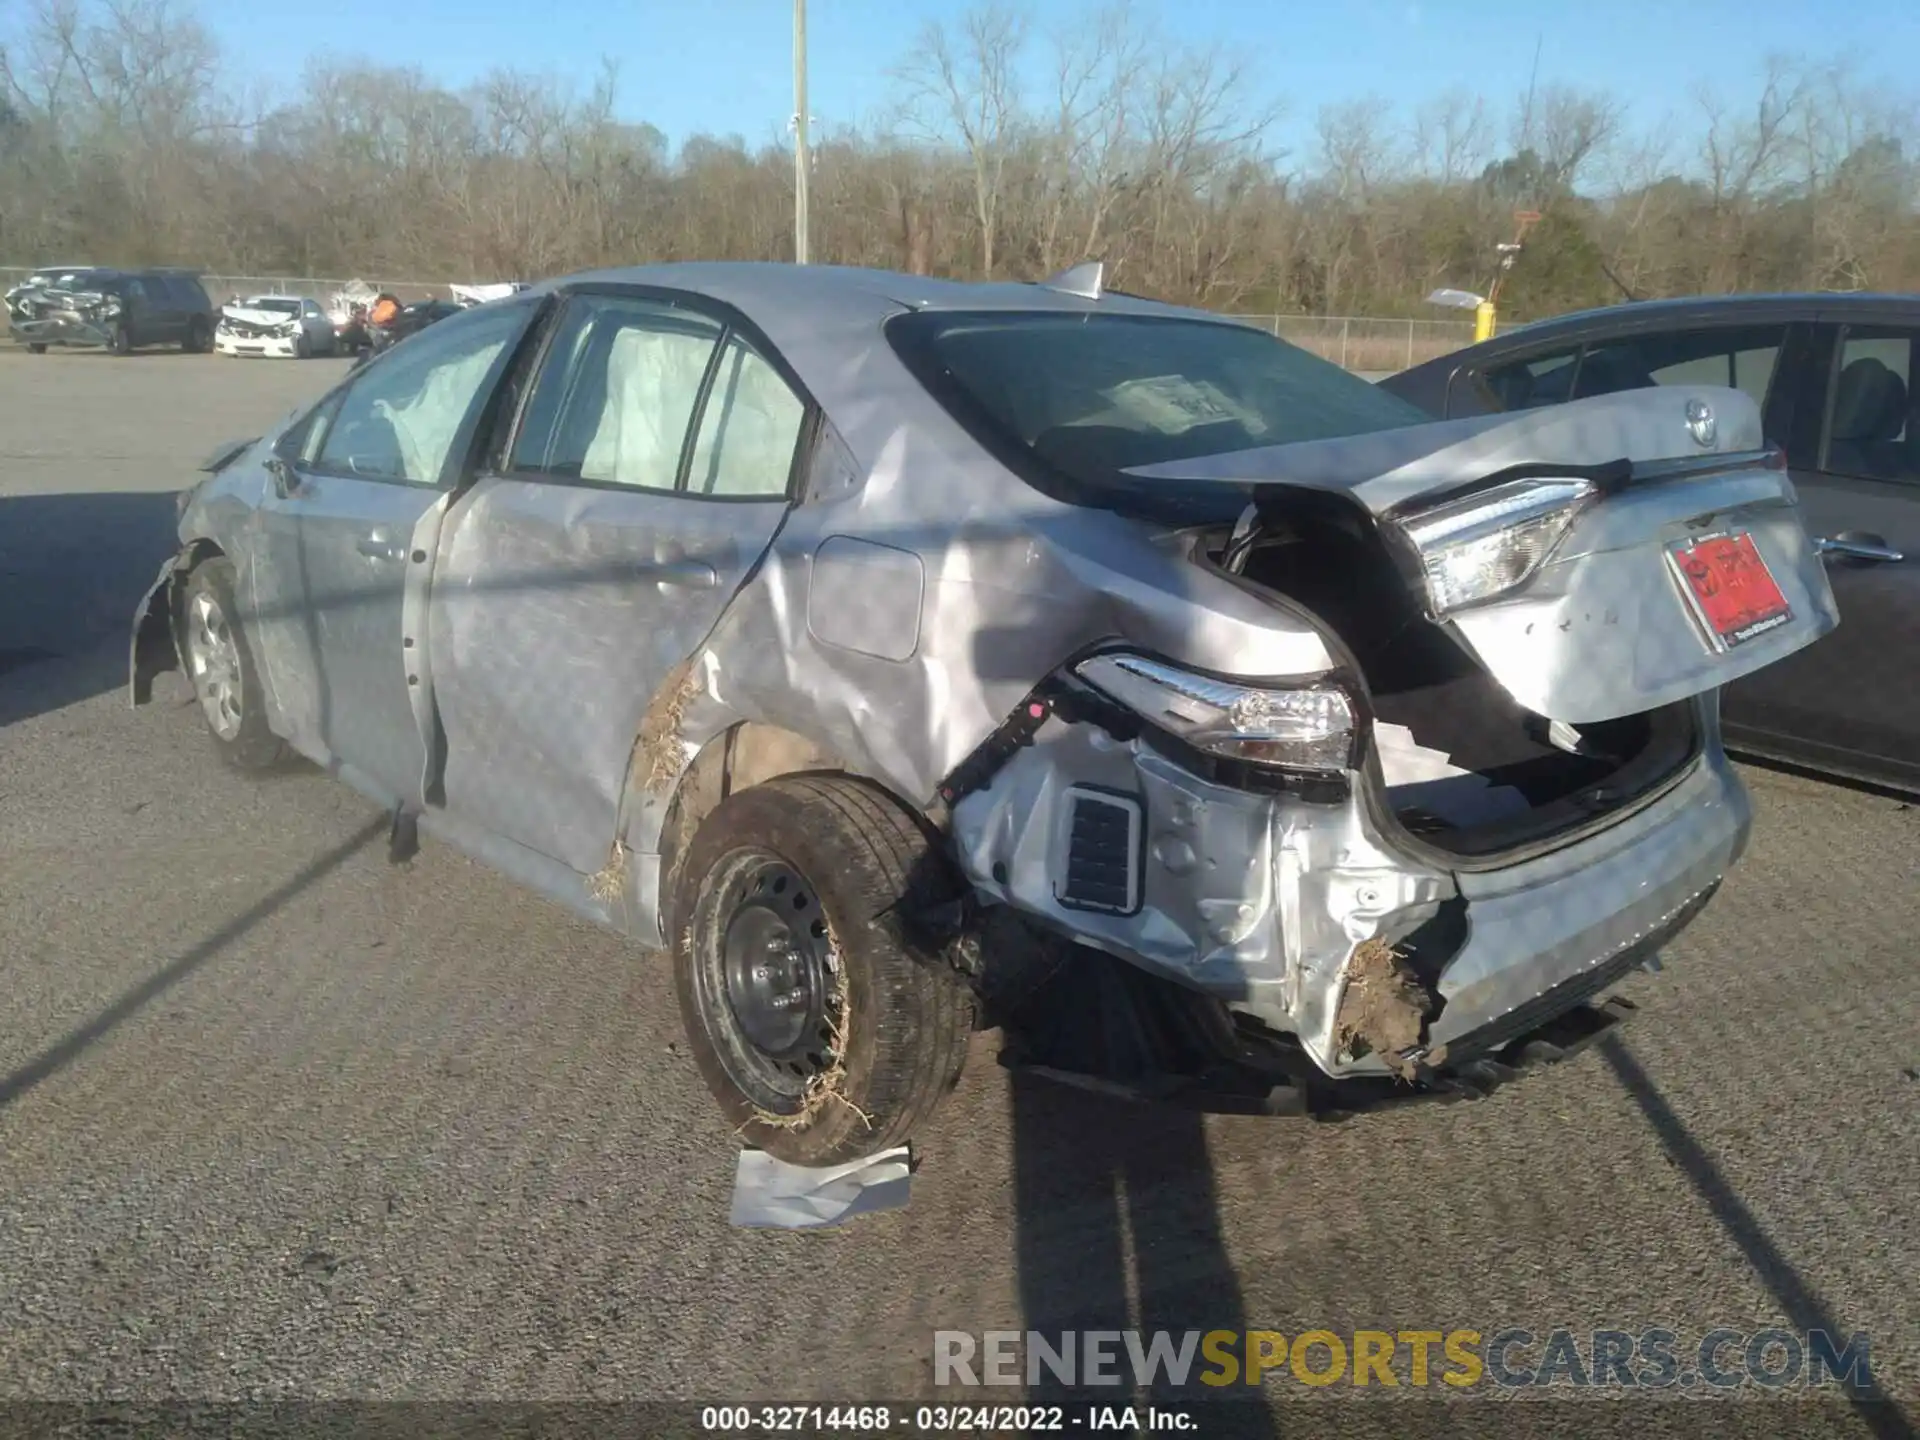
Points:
(800, 165)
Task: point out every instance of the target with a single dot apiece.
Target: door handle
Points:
(378, 547)
(688, 574)
(1848, 547)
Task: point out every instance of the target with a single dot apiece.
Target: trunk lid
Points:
(1658, 550)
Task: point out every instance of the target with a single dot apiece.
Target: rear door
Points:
(1845, 704)
(646, 475)
(349, 533)
(143, 318)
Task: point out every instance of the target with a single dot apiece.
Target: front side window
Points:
(1091, 396)
(399, 421)
(615, 396)
(1871, 420)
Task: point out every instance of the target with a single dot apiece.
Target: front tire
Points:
(220, 665)
(199, 338)
(302, 347)
(121, 341)
(825, 1030)
(36, 348)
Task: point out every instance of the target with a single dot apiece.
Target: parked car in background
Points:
(1835, 377)
(408, 320)
(347, 309)
(291, 327)
(858, 638)
(112, 309)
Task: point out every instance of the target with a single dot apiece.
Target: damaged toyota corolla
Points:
(903, 655)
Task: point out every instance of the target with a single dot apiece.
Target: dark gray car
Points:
(116, 310)
(1835, 377)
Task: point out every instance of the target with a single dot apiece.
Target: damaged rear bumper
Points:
(1274, 905)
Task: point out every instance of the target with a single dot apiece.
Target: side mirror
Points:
(285, 483)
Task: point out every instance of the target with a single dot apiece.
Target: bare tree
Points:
(966, 86)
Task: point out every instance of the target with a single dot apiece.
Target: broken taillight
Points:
(1483, 546)
(1309, 727)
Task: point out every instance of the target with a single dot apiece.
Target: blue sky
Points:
(724, 66)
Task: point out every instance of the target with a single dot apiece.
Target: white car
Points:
(289, 326)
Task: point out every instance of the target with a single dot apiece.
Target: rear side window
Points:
(748, 431)
(615, 396)
(1090, 396)
(1871, 419)
(1739, 357)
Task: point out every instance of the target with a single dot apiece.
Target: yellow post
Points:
(1483, 321)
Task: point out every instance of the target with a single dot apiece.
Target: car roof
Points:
(764, 289)
(1717, 309)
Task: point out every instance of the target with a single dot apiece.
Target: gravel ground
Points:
(280, 1120)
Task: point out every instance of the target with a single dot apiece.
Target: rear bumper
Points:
(1270, 904)
(1550, 933)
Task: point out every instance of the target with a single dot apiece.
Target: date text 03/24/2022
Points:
(942, 1419)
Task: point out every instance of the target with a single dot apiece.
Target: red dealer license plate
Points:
(1733, 593)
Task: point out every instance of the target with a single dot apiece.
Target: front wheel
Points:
(221, 667)
(826, 1031)
(36, 348)
(199, 338)
(121, 341)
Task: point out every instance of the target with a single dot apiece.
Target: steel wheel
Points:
(770, 981)
(214, 662)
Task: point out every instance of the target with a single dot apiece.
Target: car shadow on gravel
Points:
(1798, 1300)
(64, 1051)
(72, 569)
(1120, 1228)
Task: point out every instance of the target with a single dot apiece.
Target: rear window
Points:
(1090, 396)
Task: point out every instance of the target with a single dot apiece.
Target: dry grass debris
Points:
(1383, 1008)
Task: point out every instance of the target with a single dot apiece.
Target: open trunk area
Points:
(1468, 769)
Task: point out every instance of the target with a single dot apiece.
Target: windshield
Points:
(74, 280)
(279, 303)
(1090, 396)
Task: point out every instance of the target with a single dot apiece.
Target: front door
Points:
(1845, 703)
(649, 473)
(351, 535)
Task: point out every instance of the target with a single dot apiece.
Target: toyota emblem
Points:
(1700, 423)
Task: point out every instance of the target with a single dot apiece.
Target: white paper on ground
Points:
(771, 1194)
(1417, 776)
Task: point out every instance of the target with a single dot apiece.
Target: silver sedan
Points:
(902, 656)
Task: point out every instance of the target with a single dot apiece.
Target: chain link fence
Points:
(1368, 344)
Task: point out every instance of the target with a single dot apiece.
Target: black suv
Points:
(119, 310)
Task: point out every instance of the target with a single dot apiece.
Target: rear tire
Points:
(220, 665)
(823, 1028)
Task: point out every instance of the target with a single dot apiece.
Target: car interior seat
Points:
(1869, 412)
